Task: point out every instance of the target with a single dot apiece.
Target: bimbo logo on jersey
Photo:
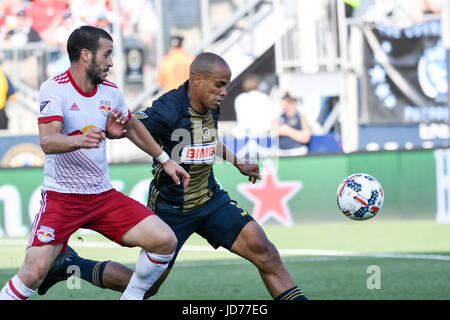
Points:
(199, 153)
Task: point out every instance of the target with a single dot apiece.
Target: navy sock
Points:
(90, 270)
(294, 293)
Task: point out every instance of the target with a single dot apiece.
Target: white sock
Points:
(149, 268)
(15, 290)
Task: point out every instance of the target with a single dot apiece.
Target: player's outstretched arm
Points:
(53, 141)
(139, 135)
(251, 170)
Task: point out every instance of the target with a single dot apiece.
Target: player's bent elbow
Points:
(46, 142)
(44, 145)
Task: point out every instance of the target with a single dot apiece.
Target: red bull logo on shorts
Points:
(46, 234)
(105, 107)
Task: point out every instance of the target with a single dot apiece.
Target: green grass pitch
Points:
(329, 261)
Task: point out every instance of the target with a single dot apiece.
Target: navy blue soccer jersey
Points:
(190, 139)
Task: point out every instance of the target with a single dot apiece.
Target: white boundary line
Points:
(283, 252)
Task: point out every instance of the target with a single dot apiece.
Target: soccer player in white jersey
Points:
(76, 191)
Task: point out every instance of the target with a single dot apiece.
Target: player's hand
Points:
(251, 170)
(115, 126)
(178, 174)
(92, 138)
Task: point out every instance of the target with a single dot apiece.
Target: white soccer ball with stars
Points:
(360, 196)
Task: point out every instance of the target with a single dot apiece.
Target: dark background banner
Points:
(418, 58)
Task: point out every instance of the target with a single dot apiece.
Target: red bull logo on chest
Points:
(105, 107)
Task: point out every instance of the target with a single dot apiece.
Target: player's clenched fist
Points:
(92, 138)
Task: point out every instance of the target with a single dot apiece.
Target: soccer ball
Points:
(360, 196)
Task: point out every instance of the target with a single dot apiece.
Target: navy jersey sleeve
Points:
(159, 119)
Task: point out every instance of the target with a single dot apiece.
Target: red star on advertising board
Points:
(270, 196)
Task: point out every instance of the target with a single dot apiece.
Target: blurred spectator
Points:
(139, 20)
(60, 60)
(254, 110)
(173, 69)
(421, 7)
(104, 22)
(63, 30)
(139, 16)
(23, 31)
(402, 13)
(8, 15)
(88, 11)
(7, 92)
(291, 128)
(45, 15)
(60, 65)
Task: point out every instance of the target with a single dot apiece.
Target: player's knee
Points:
(169, 243)
(166, 243)
(34, 274)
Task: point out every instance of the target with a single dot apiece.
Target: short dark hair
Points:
(288, 97)
(205, 62)
(85, 37)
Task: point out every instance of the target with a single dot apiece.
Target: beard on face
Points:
(94, 72)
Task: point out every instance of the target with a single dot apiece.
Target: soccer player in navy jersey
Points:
(184, 123)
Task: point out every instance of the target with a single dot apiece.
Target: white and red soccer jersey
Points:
(84, 171)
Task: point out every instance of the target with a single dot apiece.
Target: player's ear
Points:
(197, 79)
(85, 55)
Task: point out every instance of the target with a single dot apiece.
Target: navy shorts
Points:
(219, 221)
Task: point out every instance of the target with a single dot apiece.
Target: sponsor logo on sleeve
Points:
(44, 106)
(140, 115)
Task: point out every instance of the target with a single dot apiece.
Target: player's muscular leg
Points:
(116, 276)
(38, 261)
(253, 245)
(151, 234)
(159, 243)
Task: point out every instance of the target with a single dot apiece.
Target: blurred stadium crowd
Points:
(24, 23)
(33, 36)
